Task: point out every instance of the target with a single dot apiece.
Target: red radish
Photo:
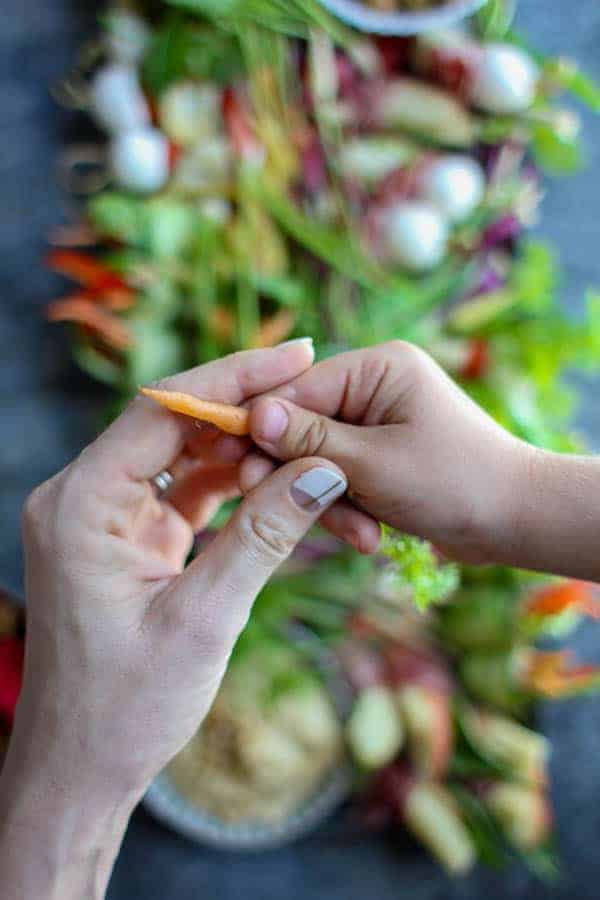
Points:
(405, 665)
(427, 715)
(363, 665)
(449, 58)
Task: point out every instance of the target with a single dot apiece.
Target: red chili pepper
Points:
(479, 361)
(12, 655)
(85, 269)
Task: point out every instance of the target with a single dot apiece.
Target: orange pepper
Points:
(83, 311)
(231, 419)
(556, 598)
(553, 674)
(274, 330)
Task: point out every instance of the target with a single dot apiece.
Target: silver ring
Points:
(162, 482)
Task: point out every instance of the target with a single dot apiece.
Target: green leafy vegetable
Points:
(418, 567)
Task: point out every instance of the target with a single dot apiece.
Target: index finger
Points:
(145, 439)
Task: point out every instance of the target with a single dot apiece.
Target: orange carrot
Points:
(83, 311)
(553, 600)
(231, 419)
(274, 330)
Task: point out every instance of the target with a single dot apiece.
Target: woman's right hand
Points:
(418, 453)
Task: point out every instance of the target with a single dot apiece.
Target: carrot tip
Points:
(230, 419)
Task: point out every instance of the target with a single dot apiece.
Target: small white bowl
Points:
(168, 805)
(365, 18)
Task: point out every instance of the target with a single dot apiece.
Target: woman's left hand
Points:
(126, 648)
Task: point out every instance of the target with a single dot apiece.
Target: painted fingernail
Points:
(274, 422)
(308, 341)
(318, 488)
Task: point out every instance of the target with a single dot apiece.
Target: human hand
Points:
(417, 452)
(125, 647)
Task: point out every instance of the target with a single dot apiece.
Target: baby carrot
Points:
(231, 419)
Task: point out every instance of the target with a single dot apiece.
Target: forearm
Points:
(59, 833)
(556, 523)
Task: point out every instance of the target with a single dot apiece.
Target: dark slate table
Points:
(48, 411)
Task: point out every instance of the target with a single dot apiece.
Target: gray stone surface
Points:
(48, 411)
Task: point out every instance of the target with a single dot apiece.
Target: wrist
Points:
(60, 831)
(555, 515)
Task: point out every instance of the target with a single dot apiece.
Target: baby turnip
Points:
(117, 101)
(505, 81)
(189, 112)
(455, 185)
(139, 160)
(415, 236)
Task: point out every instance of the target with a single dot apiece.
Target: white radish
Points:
(370, 159)
(140, 160)
(375, 732)
(189, 112)
(455, 185)
(117, 101)
(128, 36)
(505, 80)
(416, 236)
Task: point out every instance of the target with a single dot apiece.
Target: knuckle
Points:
(39, 507)
(265, 535)
(312, 437)
(408, 354)
(33, 510)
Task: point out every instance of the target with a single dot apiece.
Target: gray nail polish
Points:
(318, 488)
(303, 340)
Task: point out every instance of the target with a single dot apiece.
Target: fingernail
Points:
(308, 341)
(318, 488)
(275, 420)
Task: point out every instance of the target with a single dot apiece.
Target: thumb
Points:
(215, 594)
(286, 431)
